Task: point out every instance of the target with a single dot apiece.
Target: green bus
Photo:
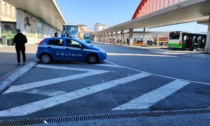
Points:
(185, 40)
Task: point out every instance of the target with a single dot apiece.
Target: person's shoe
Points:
(18, 64)
(23, 63)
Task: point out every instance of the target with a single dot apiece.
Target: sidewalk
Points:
(8, 62)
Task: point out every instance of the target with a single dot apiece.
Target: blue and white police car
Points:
(65, 48)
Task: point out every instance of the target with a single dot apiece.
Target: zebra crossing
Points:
(56, 97)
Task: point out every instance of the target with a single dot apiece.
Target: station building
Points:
(36, 19)
(99, 27)
(7, 22)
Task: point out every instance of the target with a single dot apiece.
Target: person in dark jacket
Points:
(20, 41)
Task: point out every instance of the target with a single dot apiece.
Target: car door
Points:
(75, 50)
(56, 48)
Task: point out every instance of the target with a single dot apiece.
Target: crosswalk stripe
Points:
(109, 65)
(44, 92)
(65, 68)
(51, 81)
(147, 100)
(56, 100)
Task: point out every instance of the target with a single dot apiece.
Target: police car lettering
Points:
(68, 54)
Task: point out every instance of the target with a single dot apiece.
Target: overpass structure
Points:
(156, 13)
(38, 18)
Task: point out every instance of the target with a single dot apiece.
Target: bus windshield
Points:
(174, 35)
(86, 37)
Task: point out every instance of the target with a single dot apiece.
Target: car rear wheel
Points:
(46, 58)
(92, 59)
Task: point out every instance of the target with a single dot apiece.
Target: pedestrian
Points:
(20, 41)
(128, 41)
(56, 34)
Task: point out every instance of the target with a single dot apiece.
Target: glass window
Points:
(194, 39)
(75, 44)
(57, 42)
(68, 42)
(185, 37)
(174, 35)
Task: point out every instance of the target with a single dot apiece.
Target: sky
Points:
(111, 12)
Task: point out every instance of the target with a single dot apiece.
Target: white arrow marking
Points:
(149, 99)
(56, 100)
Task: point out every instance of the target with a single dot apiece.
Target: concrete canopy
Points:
(188, 11)
(46, 10)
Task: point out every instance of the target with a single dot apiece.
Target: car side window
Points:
(56, 42)
(68, 41)
(75, 44)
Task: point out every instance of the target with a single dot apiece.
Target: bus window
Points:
(199, 38)
(194, 40)
(174, 35)
(185, 38)
(203, 42)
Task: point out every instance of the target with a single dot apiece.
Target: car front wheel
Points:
(46, 58)
(92, 59)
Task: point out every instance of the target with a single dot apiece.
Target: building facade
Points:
(82, 30)
(12, 18)
(99, 27)
(7, 22)
(33, 27)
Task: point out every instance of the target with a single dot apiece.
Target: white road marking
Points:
(134, 54)
(149, 99)
(44, 92)
(51, 81)
(65, 68)
(56, 100)
(159, 75)
(109, 65)
(10, 79)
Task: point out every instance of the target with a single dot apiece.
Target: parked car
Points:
(65, 48)
(150, 42)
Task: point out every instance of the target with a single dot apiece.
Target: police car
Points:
(65, 48)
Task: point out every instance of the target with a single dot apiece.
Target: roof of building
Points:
(46, 10)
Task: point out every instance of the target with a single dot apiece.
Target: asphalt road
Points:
(131, 80)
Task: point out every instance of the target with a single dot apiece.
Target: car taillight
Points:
(41, 42)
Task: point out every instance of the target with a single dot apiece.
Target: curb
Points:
(16, 74)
